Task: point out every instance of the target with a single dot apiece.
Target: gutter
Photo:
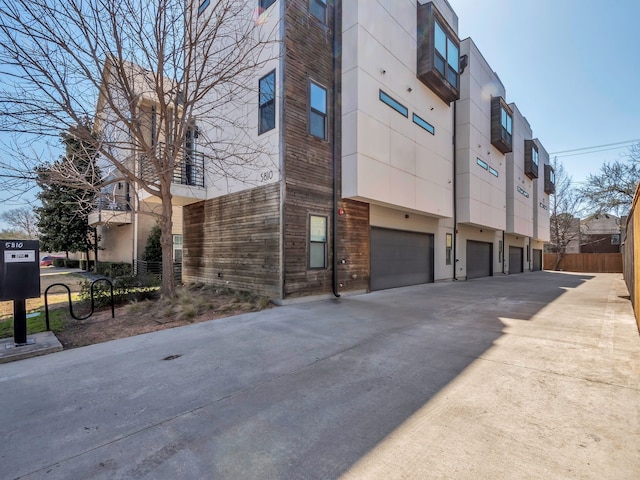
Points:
(454, 260)
(337, 59)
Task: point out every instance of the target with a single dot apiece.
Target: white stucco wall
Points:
(387, 159)
(251, 160)
(541, 225)
(481, 195)
(519, 205)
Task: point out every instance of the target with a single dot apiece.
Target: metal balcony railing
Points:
(189, 168)
(118, 203)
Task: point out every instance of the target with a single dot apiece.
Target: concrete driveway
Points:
(525, 376)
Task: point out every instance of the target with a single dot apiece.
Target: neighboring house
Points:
(119, 215)
(600, 233)
(397, 160)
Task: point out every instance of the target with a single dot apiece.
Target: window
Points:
(549, 179)
(317, 111)
(506, 126)
(483, 164)
(203, 5)
(493, 172)
(531, 159)
(264, 4)
(397, 106)
(522, 191)
(267, 108)
(317, 241)
(438, 64)
(424, 124)
(177, 248)
(615, 239)
(501, 125)
(449, 248)
(318, 9)
(446, 55)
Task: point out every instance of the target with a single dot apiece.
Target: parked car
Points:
(47, 261)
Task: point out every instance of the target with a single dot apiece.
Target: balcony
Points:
(188, 176)
(531, 159)
(110, 210)
(501, 125)
(549, 180)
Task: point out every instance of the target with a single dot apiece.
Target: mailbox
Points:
(19, 269)
(19, 280)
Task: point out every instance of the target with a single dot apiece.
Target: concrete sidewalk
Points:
(526, 376)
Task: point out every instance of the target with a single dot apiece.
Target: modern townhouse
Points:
(394, 159)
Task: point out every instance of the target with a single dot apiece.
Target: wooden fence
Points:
(631, 251)
(585, 262)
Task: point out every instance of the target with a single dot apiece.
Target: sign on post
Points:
(19, 280)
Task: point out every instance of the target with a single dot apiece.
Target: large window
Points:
(317, 110)
(317, 241)
(438, 64)
(267, 110)
(507, 127)
(447, 56)
(318, 9)
(501, 125)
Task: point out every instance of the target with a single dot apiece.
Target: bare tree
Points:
(142, 70)
(21, 220)
(566, 207)
(612, 190)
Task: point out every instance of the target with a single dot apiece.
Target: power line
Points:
(596, 146)
(588, 153)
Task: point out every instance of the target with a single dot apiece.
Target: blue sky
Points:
(571, 66)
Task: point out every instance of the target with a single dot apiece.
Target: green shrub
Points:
(114, 269)
(125, 289)
(59, 262)
(72, 263)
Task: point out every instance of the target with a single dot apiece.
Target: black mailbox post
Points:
(19, 280)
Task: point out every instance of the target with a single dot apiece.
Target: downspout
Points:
(454, 260)
(336, 137)
(504, 248)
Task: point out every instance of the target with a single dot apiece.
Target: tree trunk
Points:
(166, 240)
(559, 256)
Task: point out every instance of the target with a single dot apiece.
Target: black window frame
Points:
(391, 102)
(203, 6)
(433, 66)
(324, 243)
(422, 123)
(318, 4)
(264, 4)
(314, 111)
(270, 103)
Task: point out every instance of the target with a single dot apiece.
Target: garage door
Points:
(479, 259)
(400, 258)
(537, 259)
(515, 259)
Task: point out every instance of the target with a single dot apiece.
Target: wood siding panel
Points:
(308, 170)
(234, 241)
